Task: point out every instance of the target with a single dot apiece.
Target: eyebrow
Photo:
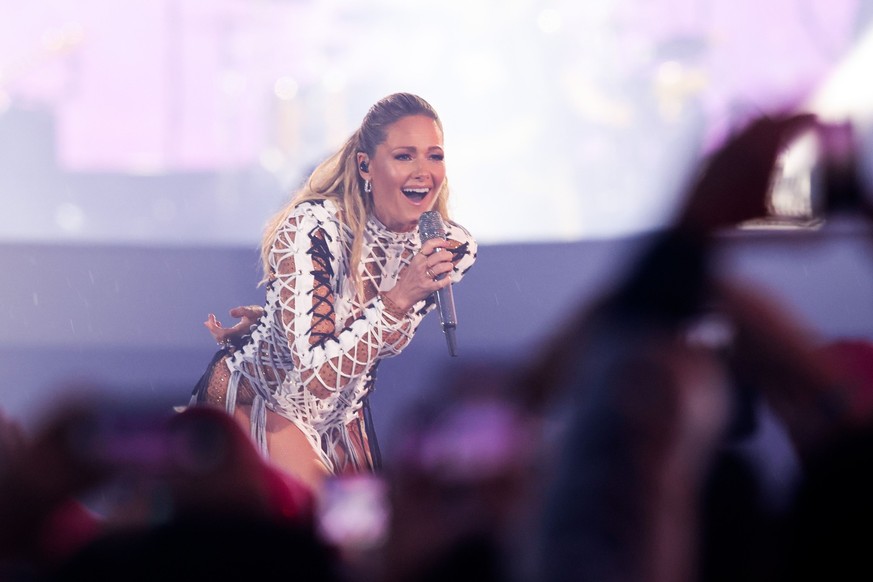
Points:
(413, 148)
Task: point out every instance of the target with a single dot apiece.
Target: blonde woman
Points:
(347, 283)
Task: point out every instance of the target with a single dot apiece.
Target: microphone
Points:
(430, 225)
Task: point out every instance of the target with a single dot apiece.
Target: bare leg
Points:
(288, 447)
(292, 452)
(242, 414)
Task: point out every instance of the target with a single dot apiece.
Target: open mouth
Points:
(416, 194)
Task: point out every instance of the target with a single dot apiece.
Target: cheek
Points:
(388, 177)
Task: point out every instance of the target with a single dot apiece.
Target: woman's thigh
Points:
(292, 452)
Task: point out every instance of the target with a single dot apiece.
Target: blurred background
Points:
(143, 144)
(203, 114)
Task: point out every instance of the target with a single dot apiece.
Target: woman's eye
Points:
(437, 157)
(403, 157)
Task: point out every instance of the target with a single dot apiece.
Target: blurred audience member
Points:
(181, 486)
(851, 362)
(659, 377)
(461, 489)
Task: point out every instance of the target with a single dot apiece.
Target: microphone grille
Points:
(430, 225)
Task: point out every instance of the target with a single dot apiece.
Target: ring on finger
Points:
(430, 273)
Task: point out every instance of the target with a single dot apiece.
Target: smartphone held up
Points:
(816, 177)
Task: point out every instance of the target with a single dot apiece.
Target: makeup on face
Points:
(406, 171)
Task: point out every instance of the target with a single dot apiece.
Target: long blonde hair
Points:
(337, 178)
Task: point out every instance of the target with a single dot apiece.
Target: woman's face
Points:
(406, 172)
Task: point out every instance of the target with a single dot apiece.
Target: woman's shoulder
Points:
(309, 214)
(307, 218)
(323, 209)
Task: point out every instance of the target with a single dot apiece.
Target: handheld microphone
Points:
(430, 225)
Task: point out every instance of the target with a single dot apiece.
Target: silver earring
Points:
(367, 187)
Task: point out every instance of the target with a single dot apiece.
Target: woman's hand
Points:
(428, 271)
(227, 336)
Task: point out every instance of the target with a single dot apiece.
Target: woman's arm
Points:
(308, 259)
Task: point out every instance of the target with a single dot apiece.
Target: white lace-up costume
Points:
(312, 355)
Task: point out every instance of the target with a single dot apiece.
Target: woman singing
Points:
(347, 283)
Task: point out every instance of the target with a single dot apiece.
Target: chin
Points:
(428, 207)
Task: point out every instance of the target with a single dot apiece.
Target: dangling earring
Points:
(367, 187)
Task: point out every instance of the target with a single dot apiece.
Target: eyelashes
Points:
(408, 157)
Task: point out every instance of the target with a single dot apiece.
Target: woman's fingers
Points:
(223, 333)
(247, 311)
(219, 334)
(434, 245)
(212, 323)
(439, 270)
(248, 316)
(437, 265)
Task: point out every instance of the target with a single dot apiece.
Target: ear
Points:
(363, 165)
